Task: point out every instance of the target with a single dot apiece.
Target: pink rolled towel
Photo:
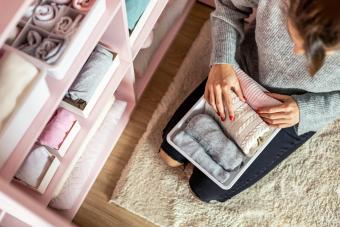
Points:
(67, 26)
(82, 5)
(45, 16)
(57, 129)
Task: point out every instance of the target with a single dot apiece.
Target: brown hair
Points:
(318, 24)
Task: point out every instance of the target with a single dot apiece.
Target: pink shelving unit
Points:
(21, 206)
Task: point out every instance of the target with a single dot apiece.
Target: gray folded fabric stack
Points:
(88, 79)
(204, 141)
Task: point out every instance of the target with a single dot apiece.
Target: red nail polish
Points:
(222, 119)
(218, 113)
(231, 118)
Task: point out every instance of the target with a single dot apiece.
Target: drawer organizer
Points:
(55, 44)
(202, 106)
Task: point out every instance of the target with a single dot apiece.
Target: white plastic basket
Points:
(72, 46)
(198, 108)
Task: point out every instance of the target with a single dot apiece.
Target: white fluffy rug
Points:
(303, 190)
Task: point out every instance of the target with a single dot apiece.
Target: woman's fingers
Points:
(228, 104)
(276, 121)
(278, 96)
(212, 98)
(219, 102)
(273, 109)
(274, 116)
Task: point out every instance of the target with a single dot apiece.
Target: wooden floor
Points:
(95, 210)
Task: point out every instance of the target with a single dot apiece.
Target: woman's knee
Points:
(206, 190)
(168, 160)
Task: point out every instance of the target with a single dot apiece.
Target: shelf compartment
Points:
(108, 135)
(86, 132)
(58, 88)
(143, 80)
(11, 12)
(46, 175)
(100, 88)
(72, 45)
(27, 108)
(145, 24)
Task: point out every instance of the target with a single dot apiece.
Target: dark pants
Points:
(284, 143)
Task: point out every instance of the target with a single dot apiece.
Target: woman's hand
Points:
(284, 115)
(221, 81)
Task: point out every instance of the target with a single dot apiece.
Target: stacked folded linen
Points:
(253, 92)
(35, 166)
(33, 40)
(46, 15)
(57, 129)
(15, 76)
(204, 129)
(82, 5)
(248, 129)
(91, 74)
(203, 140)
(66, 26)
(49, 50)
(135, 9)
(66, 195)
(199, 155)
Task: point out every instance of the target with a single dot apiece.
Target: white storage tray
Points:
(198, 108)
(72, 46)
(25, 112)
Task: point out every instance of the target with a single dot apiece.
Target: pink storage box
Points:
(72, 46)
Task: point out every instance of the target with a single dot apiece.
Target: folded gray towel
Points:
(50, 50)
(197, 153)
(205, 130)
(90, 76)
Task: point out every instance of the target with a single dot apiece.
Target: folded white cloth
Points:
(248, 130)
(45, 16)
(198, 154)
(35, 166)
(15, 75)
(253, 92)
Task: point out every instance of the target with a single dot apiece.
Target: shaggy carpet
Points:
(303, 190)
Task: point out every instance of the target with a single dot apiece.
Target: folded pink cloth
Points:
(82, 5)
(253, 92)
(57, 129)
(45, 16)
(66, 26)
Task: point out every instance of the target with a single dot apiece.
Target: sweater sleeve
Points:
(317, 110)
(227, 23)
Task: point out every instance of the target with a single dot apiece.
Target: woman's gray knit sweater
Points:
(275, 66)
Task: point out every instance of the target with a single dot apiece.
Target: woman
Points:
(293, 52)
